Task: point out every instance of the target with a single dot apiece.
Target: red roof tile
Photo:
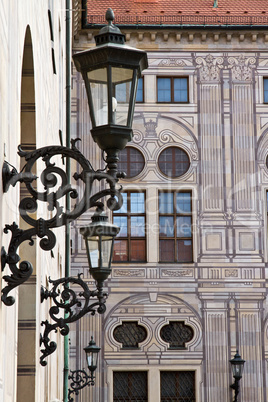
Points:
(151, 12)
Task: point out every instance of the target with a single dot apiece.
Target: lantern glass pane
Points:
(106, 250)
(237, 370)
(92, 359)
(122, 82)
(89, 359)
(99, 92)
(93, 251)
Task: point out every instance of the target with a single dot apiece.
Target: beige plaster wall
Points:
(38, 384)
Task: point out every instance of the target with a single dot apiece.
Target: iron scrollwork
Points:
(28, 206)
(73, 307)
(79, 380)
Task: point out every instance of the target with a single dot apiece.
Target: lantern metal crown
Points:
(110, 71)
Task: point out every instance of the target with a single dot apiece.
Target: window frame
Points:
(129, 162)
(173, 161)
(175, 237)
(128, 214)
(172, 78)
(130, 374)
(265, 79)
(177, 379)
(153, 377)
(142, 101)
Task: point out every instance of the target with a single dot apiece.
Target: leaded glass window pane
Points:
(177, 386)
(130, 386)
(176, 334)
(130, 334)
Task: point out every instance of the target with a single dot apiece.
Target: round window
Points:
(173, 162)
(131, 161)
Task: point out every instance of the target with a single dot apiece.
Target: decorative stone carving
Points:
(172, 63)
(242, 67)
(231, 273)
(150, 127)
(209, 67)
(137, 136)
(177, 273)
(129, 272)
(168, 137)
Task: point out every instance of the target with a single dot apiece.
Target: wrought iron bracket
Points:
(79, 380)
(56, 186)
(235, 386)
(12, 177)
(73, 307)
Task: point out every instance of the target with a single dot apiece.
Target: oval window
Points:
(173, 162)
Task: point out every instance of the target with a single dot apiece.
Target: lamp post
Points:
(237, 364)
(80, 378)
(110, 71)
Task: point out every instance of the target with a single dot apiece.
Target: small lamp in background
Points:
(80, 378)
(237, 364)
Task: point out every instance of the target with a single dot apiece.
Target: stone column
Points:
(216, 349)
(250, 340)
(210, 112)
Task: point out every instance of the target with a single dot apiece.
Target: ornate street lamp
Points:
(111, 71)
(237, 364)
(80, 378)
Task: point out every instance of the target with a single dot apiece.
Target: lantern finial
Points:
(109, 16)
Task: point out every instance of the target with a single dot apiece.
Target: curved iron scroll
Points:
(68, 301)
(51, 177)
(79, 380)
